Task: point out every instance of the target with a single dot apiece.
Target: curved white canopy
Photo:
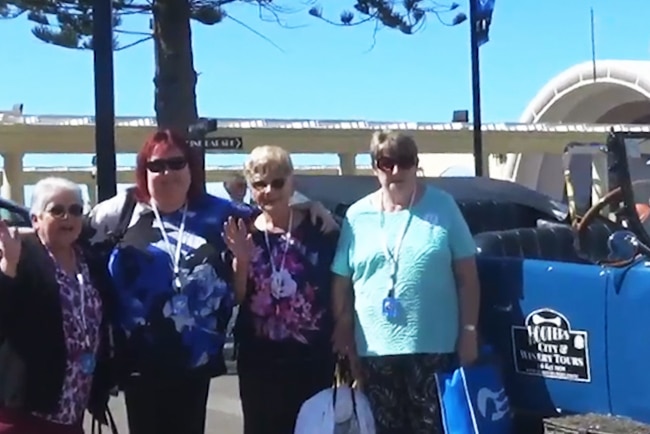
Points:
(617, 91)
(573, 96)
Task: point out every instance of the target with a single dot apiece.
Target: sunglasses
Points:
(276, 184)
(60, 211)
(164, 164)
(387, 164)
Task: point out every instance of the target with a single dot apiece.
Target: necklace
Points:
(393, 256)
(174, 254)
(278, 274)
(86, 359)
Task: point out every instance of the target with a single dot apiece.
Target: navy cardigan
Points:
(31, 323)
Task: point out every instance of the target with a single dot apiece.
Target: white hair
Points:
(47, 188)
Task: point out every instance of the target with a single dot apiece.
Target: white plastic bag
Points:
(340, 410)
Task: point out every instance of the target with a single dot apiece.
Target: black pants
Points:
(271, 397)
(174, 406)
(402, 392)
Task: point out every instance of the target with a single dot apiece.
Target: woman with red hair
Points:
(174, 295)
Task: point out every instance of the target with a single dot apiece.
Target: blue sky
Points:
(329, 72)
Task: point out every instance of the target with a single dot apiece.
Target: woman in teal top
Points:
(407, 255)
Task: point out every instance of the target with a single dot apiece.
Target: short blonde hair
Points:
(265, 160)
(384, 143)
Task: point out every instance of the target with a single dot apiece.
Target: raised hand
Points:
(10, 247)
(238, 239)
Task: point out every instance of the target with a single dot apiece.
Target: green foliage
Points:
(407, 16)
(68, 23)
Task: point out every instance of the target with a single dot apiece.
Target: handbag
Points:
(473, 399)
(345, 422)
(340, 409)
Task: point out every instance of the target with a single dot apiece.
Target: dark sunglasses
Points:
(387, 164)
(276, 184)
(163, 164)
(60, 211)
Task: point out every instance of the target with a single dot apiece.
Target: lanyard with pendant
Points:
(87, 358)
(277, 273)
(174, 254)
(390, 304)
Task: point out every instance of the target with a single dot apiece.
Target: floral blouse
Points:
(76, 384)
(288, 320)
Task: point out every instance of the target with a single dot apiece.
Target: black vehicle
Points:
(14, 214)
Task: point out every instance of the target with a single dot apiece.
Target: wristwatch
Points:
(469, 328)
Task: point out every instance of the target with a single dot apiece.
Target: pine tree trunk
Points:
(175, 80)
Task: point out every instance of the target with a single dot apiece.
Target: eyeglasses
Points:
(163, 164)
(387, 164)
(276, 184)
(59, 211)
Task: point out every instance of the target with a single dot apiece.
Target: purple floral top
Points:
(292, 321)
(76, 384)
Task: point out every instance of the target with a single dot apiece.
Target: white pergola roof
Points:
(584, 93)
(572, 87)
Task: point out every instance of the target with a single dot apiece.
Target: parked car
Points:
(564, 297)
(14, 214)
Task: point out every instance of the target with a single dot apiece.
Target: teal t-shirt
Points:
(437, 235)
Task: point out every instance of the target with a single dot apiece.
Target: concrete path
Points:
(224, 410)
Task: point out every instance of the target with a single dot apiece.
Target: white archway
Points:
(618, 92)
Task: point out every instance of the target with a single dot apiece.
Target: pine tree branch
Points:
(257, 33)
(69, 23)
(133, 44)
(408, 16)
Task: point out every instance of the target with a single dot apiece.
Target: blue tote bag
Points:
(473, 400)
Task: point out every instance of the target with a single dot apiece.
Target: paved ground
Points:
(224, 411)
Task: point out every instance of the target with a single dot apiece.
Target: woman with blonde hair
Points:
(282, 283)
(173, 287)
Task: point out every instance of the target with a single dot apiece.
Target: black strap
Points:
(343, 376)
(96, 425)
(125, 216)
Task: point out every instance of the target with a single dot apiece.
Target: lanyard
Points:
(81, 282)
(394, 255)
(82, 287)
(277, 271)
(174, 255)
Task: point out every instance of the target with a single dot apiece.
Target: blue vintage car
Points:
(565, 295)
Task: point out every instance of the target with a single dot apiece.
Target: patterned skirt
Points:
(402, 392)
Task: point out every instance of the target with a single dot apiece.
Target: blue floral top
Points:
(160, 339)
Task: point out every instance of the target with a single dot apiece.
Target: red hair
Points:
(167, 139)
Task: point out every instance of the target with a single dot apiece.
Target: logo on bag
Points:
(494, 404)
(547, 346)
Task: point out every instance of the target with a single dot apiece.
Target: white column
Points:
(12, 183)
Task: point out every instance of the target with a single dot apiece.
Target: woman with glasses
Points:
(405, 261)
(174, 289)
(53, 319)
(282, 283)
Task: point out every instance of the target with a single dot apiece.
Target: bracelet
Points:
(469, 327)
